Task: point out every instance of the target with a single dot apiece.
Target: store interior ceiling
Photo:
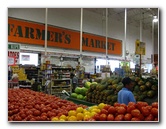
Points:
(134, 16)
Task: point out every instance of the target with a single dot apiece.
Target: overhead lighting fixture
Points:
(155, 19)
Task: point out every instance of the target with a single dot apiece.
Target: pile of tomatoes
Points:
(139, 111)
(28, 105)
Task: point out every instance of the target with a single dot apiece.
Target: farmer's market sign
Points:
(21, 31)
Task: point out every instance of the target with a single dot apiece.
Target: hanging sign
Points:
(14, 54)
(140, 47)
(21, 31)
(14, 51)
(25, 57)
(14, 46)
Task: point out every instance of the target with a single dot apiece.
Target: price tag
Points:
(11, 61)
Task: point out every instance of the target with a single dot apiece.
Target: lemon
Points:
(84, 110)
(72, 113)
(72, 118)
(87, 113)
(86, 117)
(95, 110)
(80, 116)
(93, 113)
(55, 119)
(101, 105)
(79, 109)
(63, 117)
(98, 110)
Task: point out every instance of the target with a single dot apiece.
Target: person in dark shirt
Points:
(74, 81)
(125, 95)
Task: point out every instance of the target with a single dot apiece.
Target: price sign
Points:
(11, 61)
(140, 47)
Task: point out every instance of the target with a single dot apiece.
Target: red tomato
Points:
(156, 119)
(22, 115)
(141, 104)
(149, 107)
(127, 117)
(96, 117)
(44, 109)
(154, 112)
(91, 119)
(123, 105)
(135, 113)
(111, 110)
(145, 111)
(10, 113)
(116, 104)
(141, 117)
(155, 104)
(150, 117)
(17, 118)
(103, 117)
(32, 119)
(43, 118)
(120, 110)
(106, 107)
(130, 108)
(110, 117)
(135, 119)
(119, 117)
(131, 104)
(36, 113)
(29, 112)
(104, 111)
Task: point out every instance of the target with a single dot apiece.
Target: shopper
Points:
(125, 95)
(74, 81)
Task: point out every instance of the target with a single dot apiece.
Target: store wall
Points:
(92, 23)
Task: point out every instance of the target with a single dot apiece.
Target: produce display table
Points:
(77, 101)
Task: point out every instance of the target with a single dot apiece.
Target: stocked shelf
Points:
(59, 78)
(57, 85)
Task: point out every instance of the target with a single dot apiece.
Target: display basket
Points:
(67, 96)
